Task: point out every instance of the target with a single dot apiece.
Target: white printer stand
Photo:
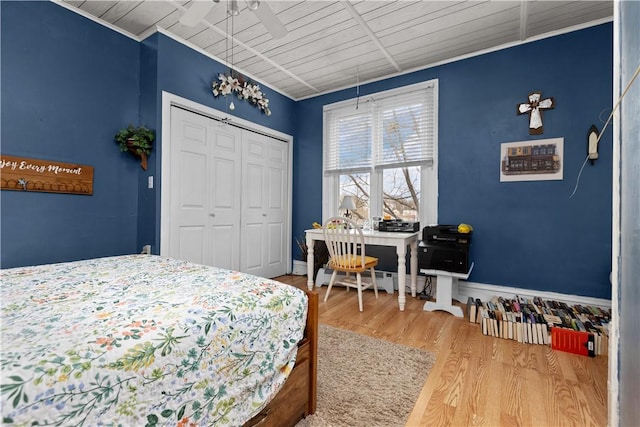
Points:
(446, 289)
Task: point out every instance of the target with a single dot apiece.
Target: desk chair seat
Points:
(345, 243)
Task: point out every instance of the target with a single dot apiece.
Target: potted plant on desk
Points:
(136, 140)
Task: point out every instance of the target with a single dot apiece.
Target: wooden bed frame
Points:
(297, 399)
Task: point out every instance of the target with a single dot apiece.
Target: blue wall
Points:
(526, 234)
(68, 84)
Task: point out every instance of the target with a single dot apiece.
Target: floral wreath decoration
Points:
(227, 84)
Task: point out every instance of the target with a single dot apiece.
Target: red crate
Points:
(571, 341)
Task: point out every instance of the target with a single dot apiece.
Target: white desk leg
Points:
(401, 250)
(444, 288)
(414, 268)
(310, 263)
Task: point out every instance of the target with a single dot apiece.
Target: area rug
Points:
(364, 381)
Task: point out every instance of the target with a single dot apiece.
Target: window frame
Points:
(428, 173)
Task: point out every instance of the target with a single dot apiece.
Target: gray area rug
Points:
(364, 381)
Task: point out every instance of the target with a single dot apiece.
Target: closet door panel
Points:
(253, 212)
(277, 167)
(275, 197)
(254, 197)
(264, 203)
(252, 255)
(192, 180)
(188, 201)
(204, 197)
(275, 241)
(225, 187)
(192, 243)
(224, 256)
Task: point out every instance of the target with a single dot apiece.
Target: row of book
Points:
(577, 328)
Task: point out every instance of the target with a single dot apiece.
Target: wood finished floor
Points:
(476, 380)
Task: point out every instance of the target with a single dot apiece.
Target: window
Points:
(381, 149)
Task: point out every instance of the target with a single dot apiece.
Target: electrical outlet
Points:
(146, 249)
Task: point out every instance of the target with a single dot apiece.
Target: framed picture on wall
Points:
(538, 160)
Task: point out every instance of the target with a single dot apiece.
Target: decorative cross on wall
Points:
(534, 107)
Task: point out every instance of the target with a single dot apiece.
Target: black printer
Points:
(444, 247)
(399, 226)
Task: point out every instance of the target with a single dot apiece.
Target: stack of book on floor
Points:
(577, 329)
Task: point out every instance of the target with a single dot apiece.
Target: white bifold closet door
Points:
(228, 195)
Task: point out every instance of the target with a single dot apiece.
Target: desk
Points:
(446, 289)
(383, 238)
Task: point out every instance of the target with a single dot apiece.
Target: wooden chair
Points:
(345, 243)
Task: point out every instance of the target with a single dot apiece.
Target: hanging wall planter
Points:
(138, 141)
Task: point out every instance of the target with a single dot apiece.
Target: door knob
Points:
(264, 214)
(212, 215)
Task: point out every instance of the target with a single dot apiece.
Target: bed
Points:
(148, 340)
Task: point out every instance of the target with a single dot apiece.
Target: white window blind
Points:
(388, 130)
(349, 132)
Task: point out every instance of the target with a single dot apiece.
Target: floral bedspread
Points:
(143, 340)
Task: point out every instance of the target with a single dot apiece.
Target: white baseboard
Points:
(485, 292)
(299, 268)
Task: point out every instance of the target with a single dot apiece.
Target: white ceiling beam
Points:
(356, 16)
(524, 16)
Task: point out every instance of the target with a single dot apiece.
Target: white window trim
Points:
(428, 175)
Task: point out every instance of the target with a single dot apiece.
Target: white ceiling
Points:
(335, 44)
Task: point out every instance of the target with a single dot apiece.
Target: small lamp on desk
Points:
(348, 203)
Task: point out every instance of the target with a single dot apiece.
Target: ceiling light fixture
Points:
(253, 4)
(233, 8)
(199, 10)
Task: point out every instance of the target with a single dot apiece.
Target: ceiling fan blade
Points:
(196, 13)
(270, 20)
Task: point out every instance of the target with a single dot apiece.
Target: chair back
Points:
(345, 243)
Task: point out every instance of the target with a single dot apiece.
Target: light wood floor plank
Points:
(538, 408)
(516, 409)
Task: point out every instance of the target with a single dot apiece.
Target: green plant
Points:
(137, 140)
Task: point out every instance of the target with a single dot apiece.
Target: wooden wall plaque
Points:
(24, 174)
